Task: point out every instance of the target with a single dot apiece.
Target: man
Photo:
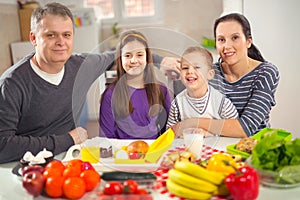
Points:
(43, 94)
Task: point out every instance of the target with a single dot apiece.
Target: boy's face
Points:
(195, 71)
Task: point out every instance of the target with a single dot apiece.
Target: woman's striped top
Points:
(252, 95)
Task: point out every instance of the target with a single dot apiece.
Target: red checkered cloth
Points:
(162, 174)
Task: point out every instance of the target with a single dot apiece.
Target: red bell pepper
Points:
(243, 184)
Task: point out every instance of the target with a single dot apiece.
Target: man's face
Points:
(53, 41)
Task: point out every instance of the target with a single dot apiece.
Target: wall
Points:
(276, 30)
(9, 32)
(192, 19)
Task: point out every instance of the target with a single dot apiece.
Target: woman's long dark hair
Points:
(121, 96)
(253, 51)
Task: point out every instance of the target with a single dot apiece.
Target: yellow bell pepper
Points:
(221, 162)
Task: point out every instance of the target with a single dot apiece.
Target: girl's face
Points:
(134, 58)
(231, 42)
(195, 72)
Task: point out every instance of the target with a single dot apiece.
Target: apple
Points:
(30, 168)
(33, 182)
(86, 166)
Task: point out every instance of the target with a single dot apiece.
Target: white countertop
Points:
(11, 185)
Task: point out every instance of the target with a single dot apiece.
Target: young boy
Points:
(199, 100)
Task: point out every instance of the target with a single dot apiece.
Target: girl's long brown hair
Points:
(121, 96)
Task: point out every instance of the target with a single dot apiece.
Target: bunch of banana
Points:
(189, 180)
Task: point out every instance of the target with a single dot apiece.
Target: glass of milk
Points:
(193, 140)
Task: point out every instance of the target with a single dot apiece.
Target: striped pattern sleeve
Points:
(173, 117)
(253, 95)
(261, 102)
(228, 110)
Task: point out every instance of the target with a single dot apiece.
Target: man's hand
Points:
(170, 66)
(79, 135)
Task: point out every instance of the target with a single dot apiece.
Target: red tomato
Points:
(52, 172)
(130, 187)
(54, 186)
(57, 164)
(71, 172)
(91, 178)
(74, 187)
(76, 163)
(113, 187)
(142, 191)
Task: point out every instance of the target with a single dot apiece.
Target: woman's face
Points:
(231, 42)
(134, 58)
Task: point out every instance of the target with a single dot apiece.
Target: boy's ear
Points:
(211, 74)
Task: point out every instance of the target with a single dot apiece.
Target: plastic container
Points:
(280, 133)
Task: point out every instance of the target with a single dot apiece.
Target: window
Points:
(126, 11)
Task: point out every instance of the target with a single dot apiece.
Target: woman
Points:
(136, 105)
(243, 76)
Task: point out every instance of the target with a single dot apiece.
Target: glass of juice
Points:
(90, 152)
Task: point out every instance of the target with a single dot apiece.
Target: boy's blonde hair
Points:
(204, 52)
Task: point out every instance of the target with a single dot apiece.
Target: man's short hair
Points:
(52, 9)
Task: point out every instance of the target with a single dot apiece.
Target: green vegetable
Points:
(289, 174)
(122, 176)
(277, 154)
